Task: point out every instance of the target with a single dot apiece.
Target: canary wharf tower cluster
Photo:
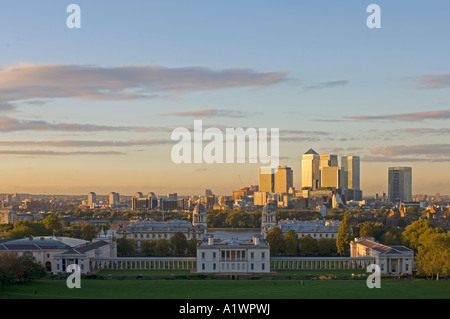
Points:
(323, 171)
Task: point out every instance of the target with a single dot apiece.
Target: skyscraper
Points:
(327, 160)
(310, 170)
(113, 199)
(283, 180)
(92, 200)
(330, 176)
(266, 180)
(351, 168)
(400, 184)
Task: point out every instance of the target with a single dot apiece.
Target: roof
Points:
(156, 226)
(309, 226)
(311, 151)
(41, 243)
(234, 242)
(383, 248)
(85, 248)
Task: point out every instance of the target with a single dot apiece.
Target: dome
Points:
(199, 209)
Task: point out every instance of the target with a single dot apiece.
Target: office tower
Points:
(351, 168)
(283, 180)
(327, 160)
(113, 199)
(310, 170)
(330, 177)
(138, 195)
(266, 180)
(400, 184)
(92, 200)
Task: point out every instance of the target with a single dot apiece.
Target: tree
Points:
(366, 230)
(11, 269)
(147, 247)
(276, 241)
(178, 243)
(192, 246)
(88, 232)
(162, 247)
(53, 225)
(433, 257)
(125, 247)
(27, 228)
(412, 233)
(390, 239)
(344, 236)
(31, 268)
(290, 242)
(308, 245)
(327, 246)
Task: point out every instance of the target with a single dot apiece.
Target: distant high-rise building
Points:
(284, 180)
(113, 199)
(266, 180)
(327, 160)
(351, 172)
(400, 184)
(92, 200)
(330, 176)
(310, 170)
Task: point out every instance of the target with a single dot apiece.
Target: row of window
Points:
(233, 254)
(320, 235)
(160, 236)
(234, 266)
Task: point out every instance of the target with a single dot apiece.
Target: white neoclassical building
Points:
(56, 253)
(317, 229)
(391, 259)
(233, 256)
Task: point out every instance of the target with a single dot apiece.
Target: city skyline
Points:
(93, 109)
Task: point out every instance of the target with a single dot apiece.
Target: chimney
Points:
(256, 240)
(210, 240)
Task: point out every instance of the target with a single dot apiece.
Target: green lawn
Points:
(230, 289)
(178, 272)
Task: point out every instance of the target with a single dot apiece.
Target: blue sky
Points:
(310, 67)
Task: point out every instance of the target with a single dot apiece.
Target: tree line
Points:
(177, 245)
(49, 226)
(15, 269)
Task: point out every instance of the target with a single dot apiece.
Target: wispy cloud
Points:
(205, 113)
(92, 82)
(433, 81)
(325, 85)
(393, 159)
(9, 124)
(429, 150)
(404, 117)
(86, 143)
(54, 153)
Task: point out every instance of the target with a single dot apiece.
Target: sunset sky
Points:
(92, 109)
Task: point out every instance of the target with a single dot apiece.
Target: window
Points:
(214, 266)
(251, 266)
(263, 255)
(262, 266)
(48, 255)
(214, 255)
(252, 255)
(203, 266)
(203, 255)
